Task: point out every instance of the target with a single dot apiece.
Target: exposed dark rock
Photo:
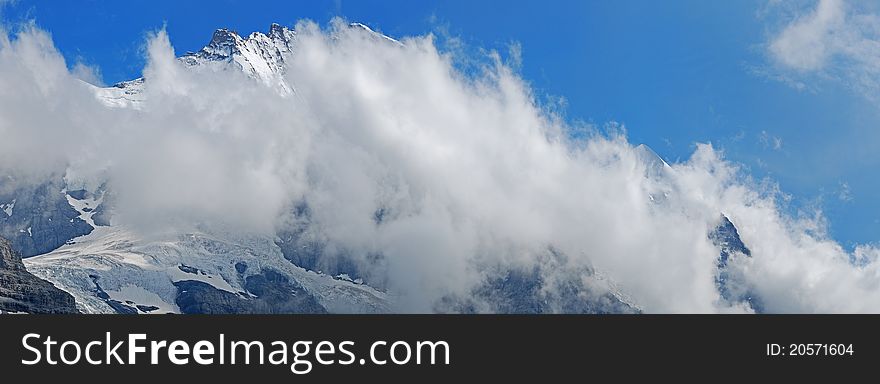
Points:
(270, 292)
(241, 267)
(80, 194)
(730, 285)
(727, 238)
(526, 291)
(20, 291)
(309, 250)
(379, 215)
(118, 306)
(42, 219)
(101, 216)
(188, 269)
(122, 309)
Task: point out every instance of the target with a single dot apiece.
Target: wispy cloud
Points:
(830, 39)
(807, 43)
(844, 193)
(769, 141)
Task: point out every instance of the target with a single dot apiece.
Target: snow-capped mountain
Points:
(108, 269)
(259, 55)
(67, 238)
(724, 236)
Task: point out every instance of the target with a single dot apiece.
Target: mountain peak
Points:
(373, 33)
(224, 36)
(654, 163)
(224, 43)
(276, 30)
(361, 26)
(261, 55)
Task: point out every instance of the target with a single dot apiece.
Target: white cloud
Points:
(87, 73)
(808, 41)
(834, 39)
(844, 193)
(471, 170)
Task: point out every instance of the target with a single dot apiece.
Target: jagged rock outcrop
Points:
(267, 292)
(20, 291)
(730, 284)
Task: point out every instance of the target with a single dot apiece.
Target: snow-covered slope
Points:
(259, 55)
(113, 270)
(127, 94)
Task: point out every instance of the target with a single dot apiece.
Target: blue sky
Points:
(674, 73)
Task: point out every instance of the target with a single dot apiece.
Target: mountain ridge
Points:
(259, 55)
(111, 269)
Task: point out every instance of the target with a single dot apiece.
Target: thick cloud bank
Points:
(467, 170)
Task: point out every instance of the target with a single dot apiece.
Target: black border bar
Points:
(491, 348)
